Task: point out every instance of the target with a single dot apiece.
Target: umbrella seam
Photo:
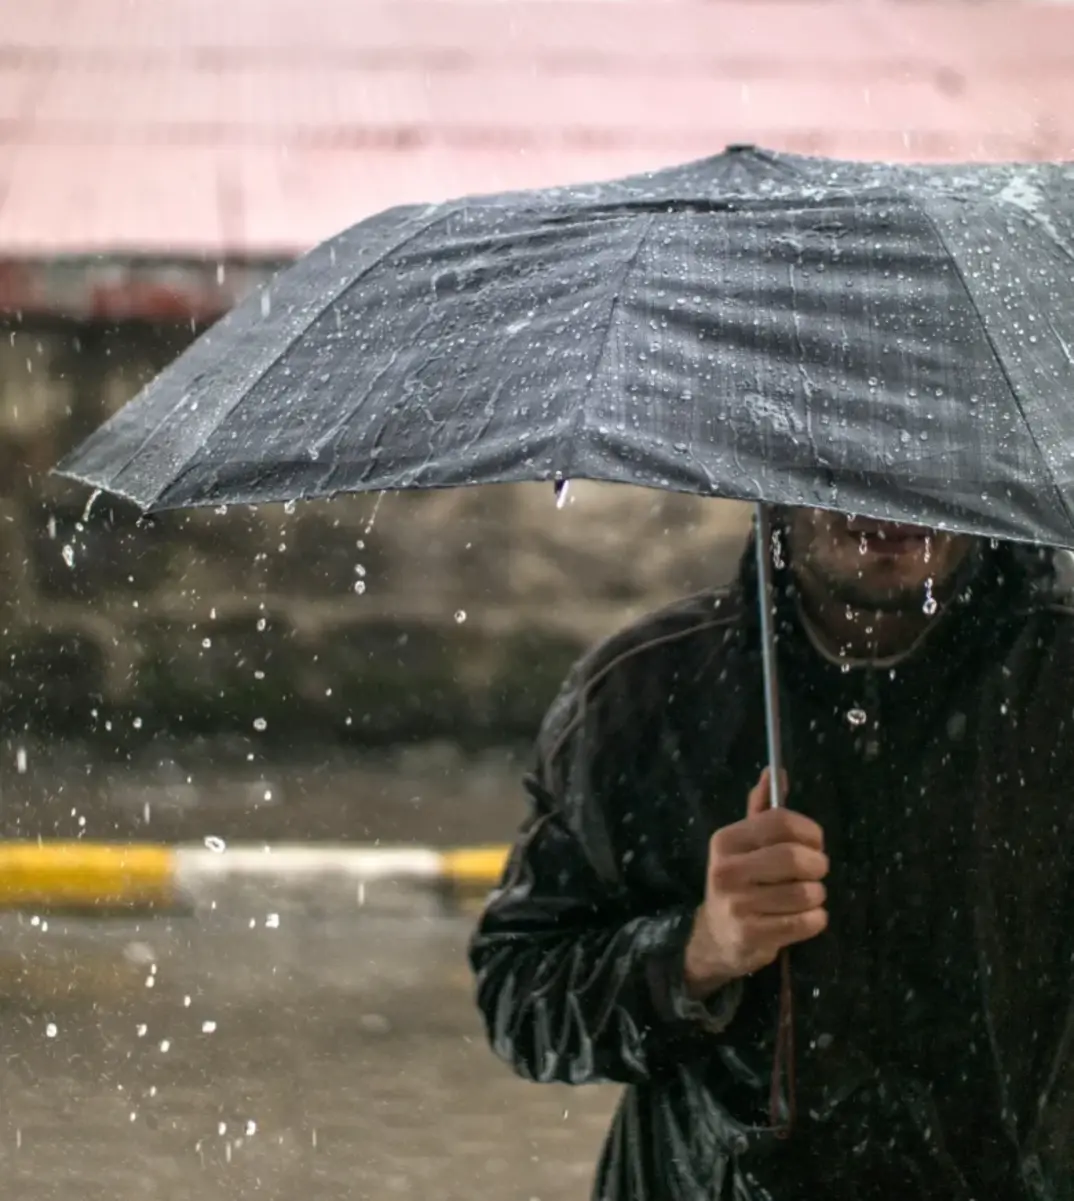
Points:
(577, 423)
(1064, 508)
(280, 352)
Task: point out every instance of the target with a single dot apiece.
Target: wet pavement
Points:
(271, 1053)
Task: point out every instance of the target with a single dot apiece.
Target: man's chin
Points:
(904, 599)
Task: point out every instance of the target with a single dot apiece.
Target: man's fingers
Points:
(766, 828)
(784, 863)
(781, 900)
(775, 933)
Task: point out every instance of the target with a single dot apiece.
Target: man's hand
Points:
(763, 892)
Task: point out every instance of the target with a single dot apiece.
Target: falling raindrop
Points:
(215, 844)
(272, 921)
(928, 548)
(208, 1026)
(260, 724)
(929, 607)
(856, 717)
(562, 487)
(68, 554)
(51, 1030)
(460, 616)
(777, 548)
(206, 643)
(359, 587)
(863, 544)
(20, 760)
(251, 1128)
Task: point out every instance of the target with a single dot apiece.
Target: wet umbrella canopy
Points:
(888, 340)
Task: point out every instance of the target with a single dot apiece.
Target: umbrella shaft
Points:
(766, 600)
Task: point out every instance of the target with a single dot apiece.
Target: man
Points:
(922, 873)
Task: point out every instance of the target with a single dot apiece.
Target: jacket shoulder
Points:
(634, 656)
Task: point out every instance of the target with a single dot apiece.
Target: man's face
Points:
(869, 564)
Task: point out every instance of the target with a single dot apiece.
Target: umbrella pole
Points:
(783, 1065)
(766, 599)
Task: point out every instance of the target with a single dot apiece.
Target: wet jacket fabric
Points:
(935, 1023)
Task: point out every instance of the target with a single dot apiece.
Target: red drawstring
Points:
(783, 1060)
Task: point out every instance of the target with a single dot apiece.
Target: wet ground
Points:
(277, 1055)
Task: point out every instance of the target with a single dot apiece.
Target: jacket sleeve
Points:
(574, 982)
(1052, 1160)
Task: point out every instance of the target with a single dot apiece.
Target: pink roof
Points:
(255, 128)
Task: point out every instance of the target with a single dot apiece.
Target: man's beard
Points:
(860, 594)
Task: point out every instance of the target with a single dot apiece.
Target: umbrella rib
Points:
(1063, 506)
(287, 346)
(598, 358)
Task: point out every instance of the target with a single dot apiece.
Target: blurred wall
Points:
(412, 616)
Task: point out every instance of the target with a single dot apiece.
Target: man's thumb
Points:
(760, 797)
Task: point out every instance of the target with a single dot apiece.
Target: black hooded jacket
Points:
(935, 1017)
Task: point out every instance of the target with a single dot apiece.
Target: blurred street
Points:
(279, 1055)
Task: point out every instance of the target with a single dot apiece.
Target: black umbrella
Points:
(887, 340)
(892, 341)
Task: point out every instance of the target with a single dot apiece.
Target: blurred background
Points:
(367, 670)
